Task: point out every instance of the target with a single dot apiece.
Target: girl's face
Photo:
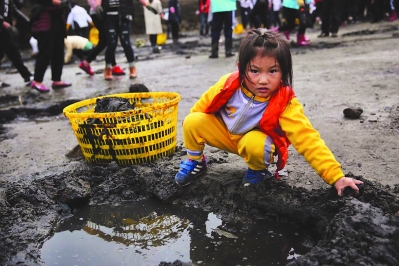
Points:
(263, 76)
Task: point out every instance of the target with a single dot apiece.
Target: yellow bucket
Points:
(161, 38)
(238, 29)
(93, 35)
(131, 137)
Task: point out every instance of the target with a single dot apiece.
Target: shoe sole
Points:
(39, 90)
(91, 74)
(191, 180)
(61, 86)
(118, 74)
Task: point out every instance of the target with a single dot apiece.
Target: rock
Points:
(353, 113)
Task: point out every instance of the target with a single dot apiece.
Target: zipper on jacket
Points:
(238, 122)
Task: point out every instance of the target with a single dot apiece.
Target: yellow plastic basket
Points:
(131, 137)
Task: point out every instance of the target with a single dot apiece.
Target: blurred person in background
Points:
(118, 16)
(76, 45)
(290, 14)
(97, 16)
(174, 20)
(7, 43)
(222, 18)
(275, 13)
(79, 20)
(203, 11)
(331, 17)
(153, 24)
(260, 14)
(245, 11)
(48, 28)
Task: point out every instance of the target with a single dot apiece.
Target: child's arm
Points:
(207, 97)
(307, 141)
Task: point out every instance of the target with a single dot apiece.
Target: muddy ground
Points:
(39, 184)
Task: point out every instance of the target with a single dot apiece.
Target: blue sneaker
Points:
(255, 176)
(189, 170)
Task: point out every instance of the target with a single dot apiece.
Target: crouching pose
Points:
(254, 113)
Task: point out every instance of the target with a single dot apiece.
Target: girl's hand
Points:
(56, 2)
(344, 182)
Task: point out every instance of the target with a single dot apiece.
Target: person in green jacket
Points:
(222, 18)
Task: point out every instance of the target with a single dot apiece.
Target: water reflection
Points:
(152, 230)
(148, 232)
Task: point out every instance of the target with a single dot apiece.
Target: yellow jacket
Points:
(299, 131)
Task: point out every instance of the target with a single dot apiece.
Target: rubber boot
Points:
(107, 73)
(393, 16)
(155, 49)
(300, 40)
(215, 49)
(287, 34)
(176, 44)
(132, 72)
(228, 44)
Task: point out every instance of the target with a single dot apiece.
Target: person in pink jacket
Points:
(255, 114)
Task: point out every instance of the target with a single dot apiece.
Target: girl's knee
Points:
(194, 120)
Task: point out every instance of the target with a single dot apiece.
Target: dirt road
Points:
(358, 69)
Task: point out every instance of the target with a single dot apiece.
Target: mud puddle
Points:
(363, 228)
(149, 232)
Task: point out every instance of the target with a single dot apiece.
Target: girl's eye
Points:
(254, 71)
(273, 71)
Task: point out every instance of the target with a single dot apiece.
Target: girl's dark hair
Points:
(266, 44)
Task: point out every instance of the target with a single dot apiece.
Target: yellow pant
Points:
(199, 129)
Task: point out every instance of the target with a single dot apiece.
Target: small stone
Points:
(353, 113)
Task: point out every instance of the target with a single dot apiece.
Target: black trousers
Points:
(51, 51)
(222, 20)
(290, 15)
(12, 52)
(82, 32)
(102, 39)
(175, 28)
(245, 13)
(259, 15)
(331, 15)
(118, 27)
(153, 40)
(80, 53)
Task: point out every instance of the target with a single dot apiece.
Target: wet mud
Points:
(29, 111)
(354, 229)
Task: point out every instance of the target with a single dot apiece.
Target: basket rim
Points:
(67, 110)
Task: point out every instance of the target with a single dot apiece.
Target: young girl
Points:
(254, 113)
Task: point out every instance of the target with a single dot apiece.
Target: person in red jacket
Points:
(254, 113)
(203, 11)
